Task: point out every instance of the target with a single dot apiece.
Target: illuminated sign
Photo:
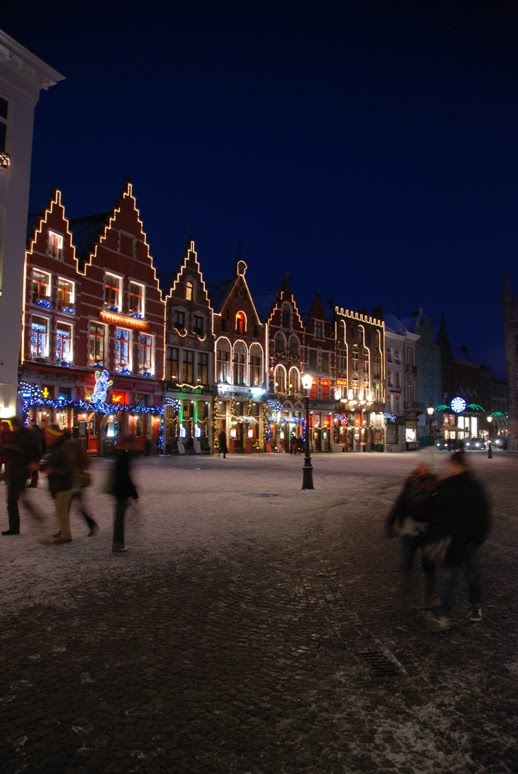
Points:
(102, 382)
(458, 405)
(123, 319)
(341, 382)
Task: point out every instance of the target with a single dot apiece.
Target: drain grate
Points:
(383, 663)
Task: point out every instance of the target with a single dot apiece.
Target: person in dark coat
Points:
(19, 452)
(460, 511)
(123, 488)
(403, 521)
(222, 442)
(60, 468)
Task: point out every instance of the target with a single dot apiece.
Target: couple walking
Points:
(452, 513)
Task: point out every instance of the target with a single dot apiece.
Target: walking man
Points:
(19, 452)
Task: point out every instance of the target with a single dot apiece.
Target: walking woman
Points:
(123, 489)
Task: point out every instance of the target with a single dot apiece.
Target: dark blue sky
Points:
(370, 150)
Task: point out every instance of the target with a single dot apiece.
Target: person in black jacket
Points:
(403, 521)
(460, 510)
(123, 489)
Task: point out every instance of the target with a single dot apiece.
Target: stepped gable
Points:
(190, 270)
(285, 294)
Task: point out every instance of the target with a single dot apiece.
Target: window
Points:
(63, 343)
(55, 245)
(122, 350)
(325, 360)
(145, 353)
(112, 292)
(280, 379)
(179, 319)
(377, 365)
(279, 345)
(256, 365)
(239, 364)
(203, 368)
(41, 288)
(240, 326)
(341, 360)
(66, 296)
(294, 384)
(324, 389)
(389, 354)
(39, 337)
(366, 362)
(96, 343)
(397, 356)
(319, 329)
(356, 360)
(223, 363)
(189, 291)
(188, 366)
(136, 299)
(4, 108)
(197, 324)
(294, 347)
(313, 360)
(172, 363)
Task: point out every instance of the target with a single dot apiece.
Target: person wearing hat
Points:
(60, 469)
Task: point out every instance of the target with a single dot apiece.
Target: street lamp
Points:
(489, 447)
(307, 470)
(430, 411)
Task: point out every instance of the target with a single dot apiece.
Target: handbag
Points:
(437, 549)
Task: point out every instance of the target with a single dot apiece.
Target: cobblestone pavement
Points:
(254, 628)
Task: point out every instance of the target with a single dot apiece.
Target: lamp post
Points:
(489, 447)
(430, 411)
(307, 470)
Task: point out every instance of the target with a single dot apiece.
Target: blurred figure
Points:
(40, 446)
(60, 468)
(19, 452)
(461, 511)
(123, 488)
(404, 521)
(82, 479)
(222, 443)
(5, 430)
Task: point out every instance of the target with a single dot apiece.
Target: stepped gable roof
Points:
(264, 303)
(394, 325)
(86, 232)
(218, 291)
(317, 309)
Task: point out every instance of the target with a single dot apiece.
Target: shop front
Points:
(239, 412)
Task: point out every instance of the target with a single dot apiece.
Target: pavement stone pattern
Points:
(282, 641)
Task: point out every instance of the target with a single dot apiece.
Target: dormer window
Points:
(55, 245)
(240, 326)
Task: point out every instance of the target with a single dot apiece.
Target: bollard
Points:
(489, 451)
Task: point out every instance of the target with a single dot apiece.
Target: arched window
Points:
(189, 291)
(240, 326)
(256, 366)
(280, 379)
(239, 363)
(294, 382)
(223, 361)
(294, 348)
(279, 344)
(341, 331)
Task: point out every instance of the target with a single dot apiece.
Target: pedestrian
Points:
(5, 431)
(19, 452)
(60, 467)
(222, 442)
(403, 521)
(40, 446)
(461, 512)
(122, 488)
(82, 479)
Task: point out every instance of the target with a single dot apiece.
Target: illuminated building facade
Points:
(189, 361)
(93, 314)
(240, 363)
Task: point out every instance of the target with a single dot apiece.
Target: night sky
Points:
(370, 150)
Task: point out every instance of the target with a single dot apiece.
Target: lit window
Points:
(189, 291)
(39, 337)
(63, 343)
(41, 288)
(96, 343)
(240, 323)
(145, 353)
(112, 292)
(136, 298)
(55, 245)
(122, 349)
(66, 296)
